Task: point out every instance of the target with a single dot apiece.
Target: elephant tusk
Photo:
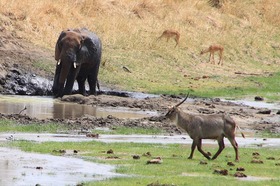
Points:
(58, 62)
(75, 65)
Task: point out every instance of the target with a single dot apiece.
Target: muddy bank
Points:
(247, 117)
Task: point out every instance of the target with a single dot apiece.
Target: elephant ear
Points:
(87, 50)
(58, 45)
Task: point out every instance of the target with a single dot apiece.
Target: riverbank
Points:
(249, 118)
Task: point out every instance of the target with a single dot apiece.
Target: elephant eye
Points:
(60, 45)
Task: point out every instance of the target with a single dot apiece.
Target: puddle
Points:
(256, 104)
(47, 107)
(20, 168)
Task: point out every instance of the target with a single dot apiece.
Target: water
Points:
(248, 142)
(257, 104)
(47, 107)
(20, 168)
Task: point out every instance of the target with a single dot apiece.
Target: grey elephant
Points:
(78, 56)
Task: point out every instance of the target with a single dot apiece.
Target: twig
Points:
(22, 110)
(249, 74)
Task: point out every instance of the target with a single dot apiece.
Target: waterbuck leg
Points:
(194, 143)
(201, 151)
(221, 147)
(235, 146)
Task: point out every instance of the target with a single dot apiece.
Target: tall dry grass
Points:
(248, 29)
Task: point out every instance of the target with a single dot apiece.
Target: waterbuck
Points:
(216, 126)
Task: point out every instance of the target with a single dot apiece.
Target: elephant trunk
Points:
(65, 75)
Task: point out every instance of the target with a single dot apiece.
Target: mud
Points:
(247, 117)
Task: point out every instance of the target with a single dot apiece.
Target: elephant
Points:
(78, 56)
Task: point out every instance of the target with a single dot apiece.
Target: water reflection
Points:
(47, 107)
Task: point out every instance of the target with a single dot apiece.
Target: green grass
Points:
(176, 168)
(12, 126)
(44, 65)
(268, 87)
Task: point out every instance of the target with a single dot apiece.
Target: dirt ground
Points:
(18, 55)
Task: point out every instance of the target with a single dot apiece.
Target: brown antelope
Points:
(212, 49)
(216, 126)
(170, 34)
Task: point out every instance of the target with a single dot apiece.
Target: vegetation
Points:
(13, 126)
(248, 30)
(175, 169)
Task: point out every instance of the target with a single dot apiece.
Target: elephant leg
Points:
(97, 84)
(81, 83)
(92, 80)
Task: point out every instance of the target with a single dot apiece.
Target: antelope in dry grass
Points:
(212, 49)
(216, 126)
(170, 34)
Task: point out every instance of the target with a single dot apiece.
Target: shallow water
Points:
(257, 104)
(21, 168)
(160, 139)
(47, 107)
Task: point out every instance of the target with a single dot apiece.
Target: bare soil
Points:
(19, 55)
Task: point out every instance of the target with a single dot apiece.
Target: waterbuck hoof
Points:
(189, 158)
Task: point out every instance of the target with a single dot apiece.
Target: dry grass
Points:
(248, 30)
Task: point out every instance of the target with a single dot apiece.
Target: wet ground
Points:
(79, 112)
(146, 112)
(24, 169)
(20, 168)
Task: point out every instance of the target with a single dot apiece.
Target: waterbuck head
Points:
(172, 112)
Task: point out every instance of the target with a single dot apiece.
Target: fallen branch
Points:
(248, 74)
(22, 110)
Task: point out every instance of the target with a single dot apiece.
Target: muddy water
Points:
(20, 168)
(47, 107)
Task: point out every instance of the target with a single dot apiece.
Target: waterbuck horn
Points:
(182, 101)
